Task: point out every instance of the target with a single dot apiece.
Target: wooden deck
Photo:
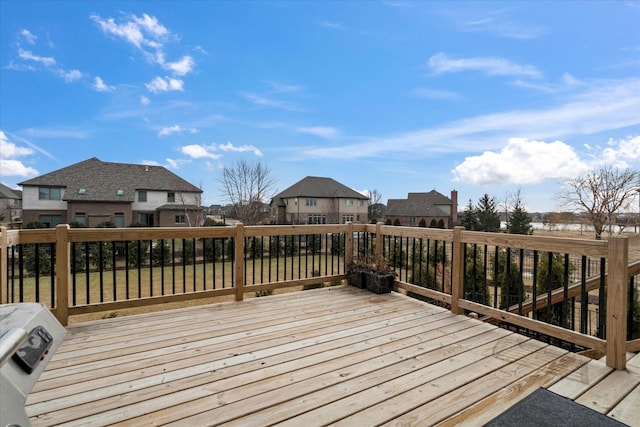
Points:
(340, 356)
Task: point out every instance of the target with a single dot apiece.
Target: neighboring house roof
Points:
(9, 193)
(319, 187)
(102, 180)
(420, 204)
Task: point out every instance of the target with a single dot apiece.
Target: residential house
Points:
(318, 200)
(424, 206)
(93, 192)
(10, 207)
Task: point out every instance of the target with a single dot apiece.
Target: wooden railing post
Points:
(63, 273)
(3, 264)
(617, 303)
(457, 266)
(348, 244)
(379, 242)
(239, 262)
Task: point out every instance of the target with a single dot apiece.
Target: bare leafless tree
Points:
(375, 200)
(247, 186)
(600, 195)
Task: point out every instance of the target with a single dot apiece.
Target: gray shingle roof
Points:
(420, 204)
(319, 187)
(9, 193)
(102, 180)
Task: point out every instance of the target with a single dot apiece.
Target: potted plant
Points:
(380, 277)
(376, 276)
(356, 274)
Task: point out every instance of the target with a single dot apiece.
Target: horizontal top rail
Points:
(281, 230)
(147, 233)
(418, 232)
(592, 248)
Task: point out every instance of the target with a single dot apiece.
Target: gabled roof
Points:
(101, 181)
(9, 193)
(319, 187)
(420, 204)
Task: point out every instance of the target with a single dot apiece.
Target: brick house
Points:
(424, 206)
(318, 200)
(92, 192)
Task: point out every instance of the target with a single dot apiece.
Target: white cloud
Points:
(441, 63)
(332, 25)
(599, 106)
(71, 76)
(100, 86)
(175, 129)
(151, 25)
(197, 151)
(149, 36)
(177, 163)
(28, 36)
(9, 151)
(159, 84)
(619, 153)
(428, 93)
(144, 100)
(182, 67)
(268, 102)
(16, 168)
(28, 56)
(494, 22)
(240, 149)
(321, 131)
(521, 162)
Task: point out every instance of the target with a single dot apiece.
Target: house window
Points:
(181, 219)
(146, 219)
(347, 218)
(348, 202)
(49, 193)
(81, 218)
(171, 197)
(360, 203)
(142, 196)
(312, 202)
(50, 221)
(118, 219)
(316, 219)
(119, 192)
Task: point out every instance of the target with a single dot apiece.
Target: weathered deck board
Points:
(335, 355)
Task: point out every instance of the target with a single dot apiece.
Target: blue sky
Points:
(397, 96)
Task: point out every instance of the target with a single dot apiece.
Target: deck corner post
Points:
(457, 265)
(4, 277)
(63, 272)
(239, 261)
(617, 303)
(348, 244)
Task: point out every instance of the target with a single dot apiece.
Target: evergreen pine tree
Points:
(487, 214)
(469, 219)
(518, 221)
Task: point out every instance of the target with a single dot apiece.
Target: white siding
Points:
(31, 201)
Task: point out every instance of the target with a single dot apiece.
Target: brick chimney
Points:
(454, 208)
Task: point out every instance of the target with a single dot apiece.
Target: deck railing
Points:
(578, 292)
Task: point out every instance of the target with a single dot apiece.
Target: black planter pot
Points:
(357, 278)
(379, 283)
